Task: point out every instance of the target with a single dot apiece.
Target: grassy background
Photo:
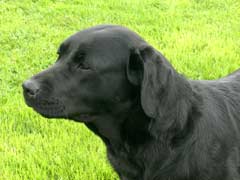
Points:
(200, 38)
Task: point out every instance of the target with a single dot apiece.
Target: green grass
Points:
(200, 38)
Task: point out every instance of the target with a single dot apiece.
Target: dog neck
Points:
(131, 129)
(122, 130)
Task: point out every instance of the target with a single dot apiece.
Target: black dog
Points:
(156, 124)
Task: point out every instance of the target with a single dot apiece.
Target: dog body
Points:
(156, 124)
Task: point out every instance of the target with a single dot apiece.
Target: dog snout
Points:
(30, 88)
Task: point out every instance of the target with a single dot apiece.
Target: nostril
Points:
(30, 87)
(30, 92)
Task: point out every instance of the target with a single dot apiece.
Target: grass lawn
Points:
(200, 38)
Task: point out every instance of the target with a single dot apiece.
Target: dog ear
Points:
(135, 67)
(164, 92)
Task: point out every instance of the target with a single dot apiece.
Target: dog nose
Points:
(30, 87)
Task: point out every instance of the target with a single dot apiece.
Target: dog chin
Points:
(51, 113)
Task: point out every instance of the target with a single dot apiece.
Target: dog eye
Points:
(81, 64)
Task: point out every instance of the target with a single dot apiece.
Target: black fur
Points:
(156, 124)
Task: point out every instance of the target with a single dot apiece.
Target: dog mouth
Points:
(50, 112)
(54, 108)
(50, 108)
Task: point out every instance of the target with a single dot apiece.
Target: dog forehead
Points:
(103, 43)
(105, 35)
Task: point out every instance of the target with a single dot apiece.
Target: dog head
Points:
(88, 78)
(103, 70)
